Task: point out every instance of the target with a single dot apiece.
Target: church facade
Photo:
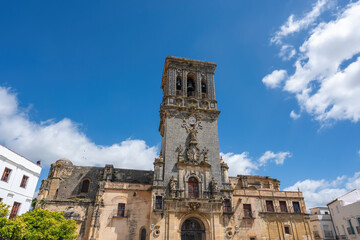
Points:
(189, 195)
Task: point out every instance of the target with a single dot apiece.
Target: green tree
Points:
(40, 224)
(4, 210)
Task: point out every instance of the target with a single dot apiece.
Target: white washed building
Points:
(321, 223)
(345, 212)
(19, 177)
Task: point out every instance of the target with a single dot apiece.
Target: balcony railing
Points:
(228, 210)
(277, 209)
(328, 234)
(316, 234)
(358, 229)
(342, 237)
(350, 230)
(249, 215)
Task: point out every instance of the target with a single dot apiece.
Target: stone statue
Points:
(193, 136)
(173, 182)
(244, 182)
(180, 156)
(205, 152)
(214, 186)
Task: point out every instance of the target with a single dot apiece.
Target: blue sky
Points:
(81, 79)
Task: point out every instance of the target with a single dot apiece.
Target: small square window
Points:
(287, 229)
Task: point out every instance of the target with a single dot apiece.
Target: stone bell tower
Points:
(188, 126)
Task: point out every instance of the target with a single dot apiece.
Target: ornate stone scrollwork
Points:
(229, 233)
(194, 206)
(156, 232)
(195, 124)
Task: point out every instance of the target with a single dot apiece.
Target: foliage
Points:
(4, 210)
(14, 229)
(33, 203)
(40, 224)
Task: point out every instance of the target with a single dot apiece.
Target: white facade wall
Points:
(321, 223)
(11, 191)
(343, 210)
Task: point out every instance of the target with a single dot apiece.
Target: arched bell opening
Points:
(190, 86)
(203, 89)
(193, 229)
(178, 86)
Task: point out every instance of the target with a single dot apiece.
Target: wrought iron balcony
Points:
(228, 210)
(277, 209)
(249, 215)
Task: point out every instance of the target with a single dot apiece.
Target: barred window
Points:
(6, 175)
(24, 181)
(247, 211)
(158, 203)
(296, 206)
(121, 210)
(270, 206)
(283, 207)
(227, 206)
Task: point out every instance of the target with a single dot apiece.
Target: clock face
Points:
(192, 120)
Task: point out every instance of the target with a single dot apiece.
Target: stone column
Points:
(184, 83)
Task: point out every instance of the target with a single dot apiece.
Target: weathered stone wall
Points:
(70, 183)
(175, 135)
(269, 225)
(137, 199)
(80, 210)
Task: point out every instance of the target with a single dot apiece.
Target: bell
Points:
(178, 83)
(190, 86)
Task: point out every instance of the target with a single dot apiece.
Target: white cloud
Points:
(244, 164)
(354, 182)
(320, 192)
(50, 140)
(239, 163)
(327, 71)
(295, 25)
(274, 79)
(270, 156)
(294, 115)
(287, 52)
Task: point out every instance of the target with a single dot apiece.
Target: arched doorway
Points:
(192, 229)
